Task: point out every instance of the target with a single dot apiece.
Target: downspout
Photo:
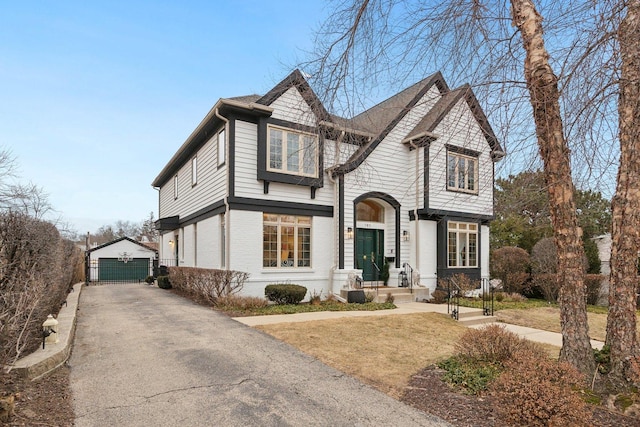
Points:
(227, 220)
(417, 236)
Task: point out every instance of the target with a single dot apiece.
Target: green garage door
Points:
(112, 270)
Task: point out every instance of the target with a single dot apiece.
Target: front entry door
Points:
(369, 250)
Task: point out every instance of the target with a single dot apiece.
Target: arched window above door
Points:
(369, 210)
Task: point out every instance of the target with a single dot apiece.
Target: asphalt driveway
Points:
(145, 357)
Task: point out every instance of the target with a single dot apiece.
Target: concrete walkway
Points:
(146, 357)
(532, 334)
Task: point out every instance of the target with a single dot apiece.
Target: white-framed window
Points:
(194, 171)
(286, 241)
(462, 172)
(462, 244)
(292, 152)
(222, 147)
(175, 187)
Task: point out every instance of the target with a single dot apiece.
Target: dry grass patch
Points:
(383, 351)
(548, 319)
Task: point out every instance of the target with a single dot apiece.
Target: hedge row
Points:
(206, 284)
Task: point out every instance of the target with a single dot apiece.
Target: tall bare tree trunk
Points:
(543, 89)
(621, 323)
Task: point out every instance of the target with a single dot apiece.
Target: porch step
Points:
(473, 316)
(400, 295)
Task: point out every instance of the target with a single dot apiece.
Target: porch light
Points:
(349, 234)
(405, 235)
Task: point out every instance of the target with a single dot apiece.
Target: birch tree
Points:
(621, 322)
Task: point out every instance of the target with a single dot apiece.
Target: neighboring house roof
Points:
(120, 240)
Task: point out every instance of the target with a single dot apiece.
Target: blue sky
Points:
(95, 97)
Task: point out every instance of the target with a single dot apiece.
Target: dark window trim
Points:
(463, 151)
(277, 207)
(468, 153)
(443, 269)
(265, 175)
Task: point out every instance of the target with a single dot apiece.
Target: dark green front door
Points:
(369, 251)
(112, 270)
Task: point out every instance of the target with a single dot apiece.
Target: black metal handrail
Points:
(453, 298)
(408, 274)
(377, 273)
(487, 297)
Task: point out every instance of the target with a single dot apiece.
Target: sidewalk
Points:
(532, 334)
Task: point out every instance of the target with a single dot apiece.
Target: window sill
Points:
(459, 190)
(274, 270)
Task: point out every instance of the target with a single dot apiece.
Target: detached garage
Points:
(121, 260)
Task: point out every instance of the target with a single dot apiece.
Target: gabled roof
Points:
(383, 117)
(297, 80)
(444, 105)
(142, 245)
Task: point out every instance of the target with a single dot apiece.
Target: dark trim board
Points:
(394, 204)
(265, 175)
(341, 222)
(212, 210)
(277, 207)
(437, 214)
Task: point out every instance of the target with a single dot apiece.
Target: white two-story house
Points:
(277, 186)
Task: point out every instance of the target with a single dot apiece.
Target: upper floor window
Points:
(462, 245)
(194, 171)
(291, 152)
(222, 145)
(175, 187)
(286, 241)
(462, 172)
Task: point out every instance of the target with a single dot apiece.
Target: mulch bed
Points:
(429, 393)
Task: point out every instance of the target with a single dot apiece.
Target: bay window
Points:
(462, 244)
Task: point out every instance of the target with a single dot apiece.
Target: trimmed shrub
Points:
(163, 282)
(547, 284)
(149, 280)
(538, 391)
(285, 293)
(204, 284)
(438, 297)
(493, 344)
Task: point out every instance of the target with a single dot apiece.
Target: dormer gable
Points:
(423, 130)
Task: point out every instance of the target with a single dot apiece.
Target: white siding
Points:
(188, 245)
(246, 255)
(293, 108)
(484, 241)
(460, 128)
(428, 253)
(390, 169)
(210, 188)
(209, 242)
